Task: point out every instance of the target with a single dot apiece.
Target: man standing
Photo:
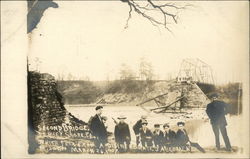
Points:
(137, 127)
(216, 111)
(98, 130)
(122, 135)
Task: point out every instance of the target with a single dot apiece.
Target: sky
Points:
(88, 39)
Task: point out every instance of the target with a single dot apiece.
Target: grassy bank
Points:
(85, 92)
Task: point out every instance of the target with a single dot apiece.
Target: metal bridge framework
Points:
(195, 70)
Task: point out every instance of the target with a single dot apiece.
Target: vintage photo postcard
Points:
(125, 79)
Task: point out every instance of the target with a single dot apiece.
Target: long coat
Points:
(181, 137)
(158, 137)
(216, 112)
(122, 133)
(146, 137)
(137, 126)
(169, 137)
(98, 128)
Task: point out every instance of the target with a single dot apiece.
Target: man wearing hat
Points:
(169, 137)
(137, 127)
(182, 139)
(146, 136)
(158, 137)
(181, 135)
(216, 111)
(98, 130)
(122, 135)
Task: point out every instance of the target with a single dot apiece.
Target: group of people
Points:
(166, 140)
(156, 140)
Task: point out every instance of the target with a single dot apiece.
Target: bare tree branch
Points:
(165, 13)
(173, 5)
(166, 10)
(129, 16)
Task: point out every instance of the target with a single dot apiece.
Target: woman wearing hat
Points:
(122, 135)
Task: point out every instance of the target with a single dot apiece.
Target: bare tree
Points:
(145, 69)
(60, 76)
(70, 77)
(159, 13)
(84, 78)
(149, 9)
(126, 73)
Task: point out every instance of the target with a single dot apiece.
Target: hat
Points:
(214, 95)
(98, 107)
(166, 125)
(144, 122)
(104, 118)
(157, 125)
(180, 123)
(122, 117)
(143, 116)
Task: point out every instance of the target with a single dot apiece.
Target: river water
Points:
(197, 123)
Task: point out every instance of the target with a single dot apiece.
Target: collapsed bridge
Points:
(194, 81)
(188, 90)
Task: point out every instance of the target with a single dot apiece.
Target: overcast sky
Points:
(89, 39)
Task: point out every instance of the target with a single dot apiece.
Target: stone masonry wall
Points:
(52, 129)
(46, 102)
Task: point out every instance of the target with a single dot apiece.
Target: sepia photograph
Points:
(126, 79)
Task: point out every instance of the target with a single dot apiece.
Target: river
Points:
(197, 123)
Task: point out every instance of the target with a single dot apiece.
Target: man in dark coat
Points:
(182, 139)
(137, 127)
(98, 130)
(168, 137)
(146, 136)
(181, 135)
(122, 135)
(216, 111)
(158, 137)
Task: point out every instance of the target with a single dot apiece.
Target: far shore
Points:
(122, 105)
